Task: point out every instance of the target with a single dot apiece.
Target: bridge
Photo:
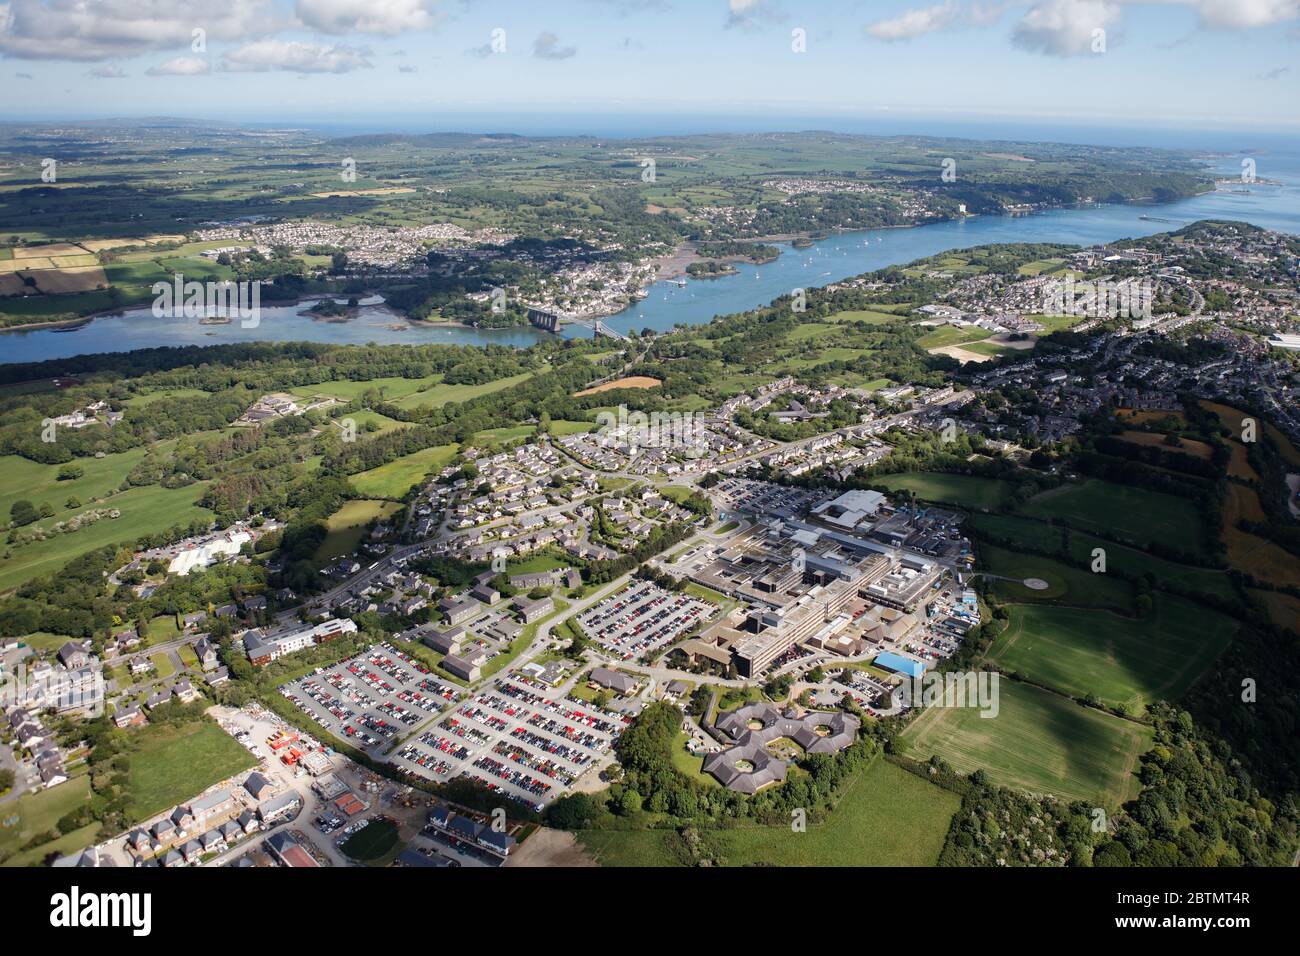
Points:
(549, 321)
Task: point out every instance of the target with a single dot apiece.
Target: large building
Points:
(262, 648)
(747, 766)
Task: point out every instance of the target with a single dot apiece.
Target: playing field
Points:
(970, 491)
(396, 478)
(1128, 661)
(1039, 742)
(887, 817)
(173, 764)
(1135, 515)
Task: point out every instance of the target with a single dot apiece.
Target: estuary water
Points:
(699, 300)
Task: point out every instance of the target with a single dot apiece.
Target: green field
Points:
(1066, 585)
(144, 510)
(1040, 536)
(1123, 661)
(439, 395)
(1039, 742)
(887, 817)
(22, 478)
(389, 389)
(347, 526)
(35, 813)
(171, 764)
(968, 491)
(952, 335)
(396, 478)
(1134, 515)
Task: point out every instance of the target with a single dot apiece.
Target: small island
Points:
(334, 310)
(710, 269)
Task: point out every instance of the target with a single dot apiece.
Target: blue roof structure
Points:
(897, 662)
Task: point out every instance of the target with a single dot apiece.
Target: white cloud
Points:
(1064, 27)
(547, 47)
(1244, 14)
(749, 13)
(914, 23)
(383, 17)
(180, 66)
(109, 71)
(295, 57)
(105, 29)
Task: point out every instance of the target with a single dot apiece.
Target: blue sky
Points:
(1195, 63)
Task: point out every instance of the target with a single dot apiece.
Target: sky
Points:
(485, 64)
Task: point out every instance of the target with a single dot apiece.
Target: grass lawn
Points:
(968, 491)
(1128, 661)
(348, 524)
(396, 478)
(1039, 742)
(1134, 515)
(887, 817)
(163, 665)
(35, 813)
(171, 764)
(44, 640)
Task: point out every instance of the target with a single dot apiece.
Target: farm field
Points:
(1039, 742)
(887, 817)
(1135, 515)
(1189, 446)
(1123, 661)
(348, 524)
(969, 491)
(396, 478)
(169, 764)
(1250, 553)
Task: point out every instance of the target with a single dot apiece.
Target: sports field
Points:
(396, 478)
(970, 491)
(1123, 661)
(887, 817)
(1039, 742)
(1135, 515)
